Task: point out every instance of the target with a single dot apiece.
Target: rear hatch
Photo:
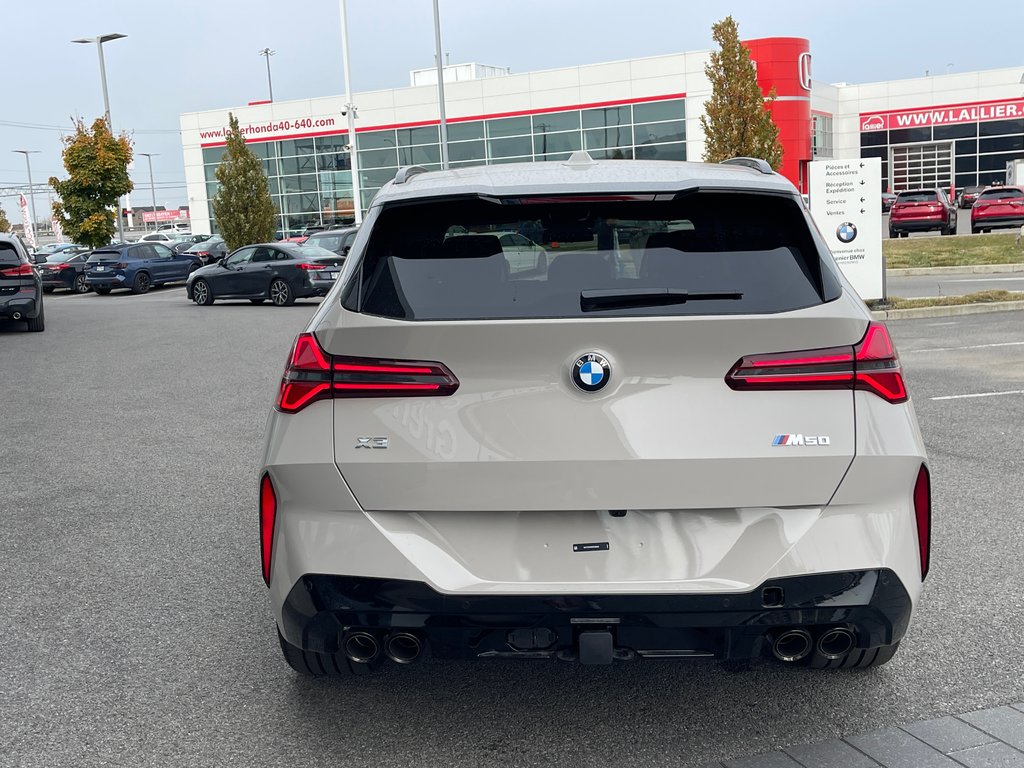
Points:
(999, 203)
(104, 263)
(16, 273)
(915, 206)
(670, 294)
(325, 264)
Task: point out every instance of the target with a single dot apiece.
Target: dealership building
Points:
(951, 130)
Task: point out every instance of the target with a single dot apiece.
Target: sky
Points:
(193, 55)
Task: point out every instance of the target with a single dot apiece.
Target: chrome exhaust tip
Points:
(792, 645)
(836, 643)
(361, 647)
(403, 647)
(16, 315)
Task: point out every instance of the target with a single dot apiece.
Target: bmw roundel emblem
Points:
(591, 372)
(846, 232)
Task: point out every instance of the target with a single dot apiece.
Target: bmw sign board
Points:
(846, 204)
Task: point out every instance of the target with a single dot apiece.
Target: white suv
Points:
(677, 434)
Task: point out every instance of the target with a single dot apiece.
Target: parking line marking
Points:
(979, 394)
(971, 346)
(984, 280)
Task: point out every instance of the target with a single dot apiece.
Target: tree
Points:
(5, 224)
(97, 166)
(242, 206)
(736, 120)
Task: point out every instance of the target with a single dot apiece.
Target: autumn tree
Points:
(5, 224)
(736, 120)
(242, 206)
(97, 166)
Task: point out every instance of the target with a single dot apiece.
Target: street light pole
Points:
(106, 101)
(31, 192)
(440, 87)
(152, 187)
(267, 53)
(350, 114)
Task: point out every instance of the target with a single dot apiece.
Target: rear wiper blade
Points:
(592, 300)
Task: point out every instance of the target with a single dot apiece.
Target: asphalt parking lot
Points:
(137, 630)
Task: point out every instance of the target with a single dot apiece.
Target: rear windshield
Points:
(1007, 193)
(9, 254)
(332, 242)
(104, 255)
(600, 256)
(917, 197)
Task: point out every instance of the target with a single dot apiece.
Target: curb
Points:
(974, 269)
(954, 310)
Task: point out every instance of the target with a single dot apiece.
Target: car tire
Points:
(858, 658)
(202, 293)
(281, 293)
(47, 289)
(80, 286)
(102, 290)
(141, 283)
(257, 301)
(313, 664)
(37, 324)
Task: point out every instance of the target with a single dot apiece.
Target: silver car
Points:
(677, 434)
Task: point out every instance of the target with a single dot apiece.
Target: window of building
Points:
(821, 135)
(509, 126)
(465, 131)
(603, 118)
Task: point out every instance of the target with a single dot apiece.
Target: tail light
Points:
(312, 374)
(121, 265)
(923, 515)
(310, 267)
(18, 271)
(870, 365)
(268, 516)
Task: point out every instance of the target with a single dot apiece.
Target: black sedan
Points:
(280, 272)
(65, 270)
(210, 251)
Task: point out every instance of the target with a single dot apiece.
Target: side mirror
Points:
(221, 260)
(38, 258)
(345, 250)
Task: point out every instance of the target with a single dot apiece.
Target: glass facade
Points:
(961, 155)
(821, 135)
(311, 179)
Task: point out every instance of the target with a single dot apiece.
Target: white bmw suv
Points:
(676, 433)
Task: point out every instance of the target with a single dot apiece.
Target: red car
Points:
(921, 210)
(998, 207)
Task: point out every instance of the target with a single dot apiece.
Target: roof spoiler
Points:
(750, 162)
(406, 173)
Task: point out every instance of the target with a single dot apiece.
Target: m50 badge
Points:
(802, 440)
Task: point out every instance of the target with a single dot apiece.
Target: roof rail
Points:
(406, 173)
(750, 162)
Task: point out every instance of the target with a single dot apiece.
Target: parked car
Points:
(137, 267)
(967, 196)
(178, 226)
(40, 255)
(209, 251)
(280, 272)
(888, 198)
(337, 240)
(21, 289)
(998, 207)
(922, 210)
(65, 270)
(162, 237)
(597, 463)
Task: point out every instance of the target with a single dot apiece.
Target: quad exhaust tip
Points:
(403, 647)
(361, 647)
(792, 645)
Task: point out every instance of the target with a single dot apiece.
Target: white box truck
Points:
(1015, 171)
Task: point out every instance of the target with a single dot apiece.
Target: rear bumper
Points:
(107, 281)
(321, 610)
(24, 303)
(916, 225)
(997, 221)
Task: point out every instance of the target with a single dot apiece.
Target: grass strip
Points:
(952, 251)
(981, 297)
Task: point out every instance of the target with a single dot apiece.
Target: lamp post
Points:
(440, 87)
(152, 187)
(267, 53)
(99, 41)
(31, 192)
(350, 114)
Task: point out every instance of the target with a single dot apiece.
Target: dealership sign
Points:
(846, 197)
(147, 216)
(1009, 109)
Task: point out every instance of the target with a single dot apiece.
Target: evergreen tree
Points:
(97, 166)
(736, 120)
(5, 224)
(242, 206)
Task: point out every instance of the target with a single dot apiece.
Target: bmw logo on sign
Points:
(591, 372)
(846, 232)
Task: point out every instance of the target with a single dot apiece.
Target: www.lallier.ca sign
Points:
(1009, 109)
